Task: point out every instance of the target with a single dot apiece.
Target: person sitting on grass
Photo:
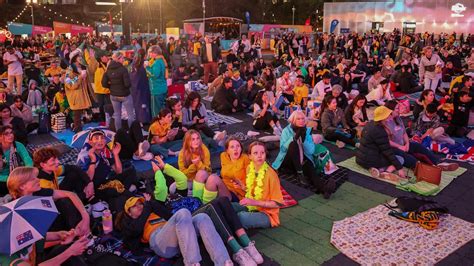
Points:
(234, 163)
(194, 160)
(300, 154)
(260, 208)
(375, 152)
(195, 117)
(334, 125)
(225, 100)
(162, 137)
(23, 181)
(143, 220)
(265, 114)
(53, 175)
(403, 147)
(428, 125)
(356, 114)
(104, 168)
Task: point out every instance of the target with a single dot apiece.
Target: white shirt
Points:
(320, 90)
(247, 45)
(14, 68)
(378, 95)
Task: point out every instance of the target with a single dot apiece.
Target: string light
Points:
(19, 15)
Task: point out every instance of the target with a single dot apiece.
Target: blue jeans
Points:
(180, 233)
(117, 102)
(251, 219)
(162, 149)
(409, 158)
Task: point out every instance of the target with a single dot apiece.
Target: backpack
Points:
(417, 204)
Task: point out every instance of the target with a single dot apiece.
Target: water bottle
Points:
(107, 224)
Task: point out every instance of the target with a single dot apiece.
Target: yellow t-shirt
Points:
(300, 93)
(52, 71)
(159, 130)
(231, 170)
(196, 48)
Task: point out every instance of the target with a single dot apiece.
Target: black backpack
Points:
(417, 204)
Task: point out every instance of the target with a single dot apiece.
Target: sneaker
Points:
(253, 252)
(276, 131)
(143, 147)
(243, 258)
(219, 136)
(208, 98)
(374, 172)
(340, 144)
(448, 166)
(329, 188)
(357, 145)
(228, 263)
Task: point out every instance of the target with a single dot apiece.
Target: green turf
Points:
(304, 234)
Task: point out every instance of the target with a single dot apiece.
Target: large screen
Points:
(429, 15)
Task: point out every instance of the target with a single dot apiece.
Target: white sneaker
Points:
(228, 263)
(219, 136)
(147, 156)
(243, 258)
(143, 147)
(276, 131)
(251, 133)
(253, 252)
(208, 98)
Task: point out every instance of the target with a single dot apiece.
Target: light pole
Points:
(293, 9)
(31, 2)
(203, 17)
(161, 18)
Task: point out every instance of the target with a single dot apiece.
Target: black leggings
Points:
(68, 218)
(292, 163)
(223, 217)
(204, 129)
(75, 180)
(263, 122)
(334, 136)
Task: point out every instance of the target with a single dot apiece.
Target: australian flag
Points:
(25, 237)
(46, 204)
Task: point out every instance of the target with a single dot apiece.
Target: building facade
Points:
(408, 15)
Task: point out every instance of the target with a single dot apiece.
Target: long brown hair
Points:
(187, 150)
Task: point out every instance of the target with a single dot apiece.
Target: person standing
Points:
(211, 56)
(428, 73)
(77, 91)
(140, 88)
(117, 79)
(157, 73)
(13, 59)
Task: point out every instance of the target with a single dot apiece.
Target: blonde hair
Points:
(187, 151)
(292, 118)
(18, 177)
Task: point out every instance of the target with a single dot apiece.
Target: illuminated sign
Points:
(457, 9)
(5, 34)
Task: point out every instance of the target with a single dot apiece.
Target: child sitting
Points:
(35, 97)
(428, 124)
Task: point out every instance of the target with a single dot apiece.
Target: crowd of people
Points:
(338, 88)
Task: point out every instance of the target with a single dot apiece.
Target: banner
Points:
(334, 24)
(60, 27)
(78, 29)
(43, 30)
(20, 28)
(193, 28)
(172, 32)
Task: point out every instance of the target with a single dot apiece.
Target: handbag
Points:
(428, 173)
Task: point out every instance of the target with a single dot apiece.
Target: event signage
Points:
(334, 24)
(457, 9)
(345, 30)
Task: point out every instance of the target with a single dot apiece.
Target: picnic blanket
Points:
(412, 97)
(68, 154)
(112, 243)
(375, 238)
(216, 119)
(446, 177)
(288, 200)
